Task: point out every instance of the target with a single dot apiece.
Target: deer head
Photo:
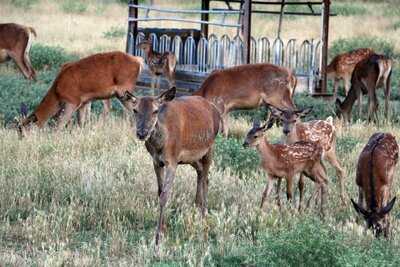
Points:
(146, 110)
(374, 218)
(289, 117)
(146, 45)
(254, 136)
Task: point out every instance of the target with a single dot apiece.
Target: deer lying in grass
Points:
(322, 132)
(15, 43)
(342, 66)
(159, 64)
(177, 131)
(100, 76)
(375, 169)
(368, 75)
(285, 161)
(248, 87)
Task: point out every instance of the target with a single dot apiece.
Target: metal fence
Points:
(216, 52)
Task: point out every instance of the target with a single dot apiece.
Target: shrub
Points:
(229, 153)
(321, 108)
(114, 32)
(26, 4)
(396, 25)
(73, 6)
(345, 45)
(44, 57)
(349, 9)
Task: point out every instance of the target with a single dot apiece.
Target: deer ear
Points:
(385, 210)
(268, 125)
(129, 95)
(275, 111)
(303, 112)
(359, 209)
(167, 95)
(256, 123)
(338, 103)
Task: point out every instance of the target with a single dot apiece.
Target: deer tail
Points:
(329, 120)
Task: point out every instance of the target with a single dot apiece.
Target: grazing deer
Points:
(177, 131)
(15, 43)
(285, 161)
(342, 66)
(100, 76)
(248, 87)
(159, 64)
(374, 177)
(368, 75)
(322, 132)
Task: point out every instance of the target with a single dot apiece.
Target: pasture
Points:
(87, 196)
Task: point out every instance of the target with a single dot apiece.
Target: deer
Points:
(342, 66)
(159, 64)
(285, 161)
(374, 178)
(322, 132)
(368, 75)
(177, 131)
(15, 44)
(99, 76)
(247, 87)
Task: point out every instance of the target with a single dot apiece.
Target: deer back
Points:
(318, 131)
(345, 63)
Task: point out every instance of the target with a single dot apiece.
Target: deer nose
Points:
(141, 135)
(246, 144)
(286, 132)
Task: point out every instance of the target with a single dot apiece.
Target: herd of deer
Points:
(182, 130)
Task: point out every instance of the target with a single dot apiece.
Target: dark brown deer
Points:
(342, 66)
(368, 75)
(177, 131)
(100, 76)
(286, 161)
(248, 87)
(374, 177)
(322, 132)
(15, 43)
(159, 64)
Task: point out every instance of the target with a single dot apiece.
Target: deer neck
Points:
(266, 151)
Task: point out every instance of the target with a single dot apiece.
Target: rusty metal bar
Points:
(325, 39)
(188, 11)
(132, 25)
(186, 20)
(247, 30)
(276, 3)
(205, 5)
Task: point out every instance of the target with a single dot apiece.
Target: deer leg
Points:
(335, 88)
(206, 161)
(278, 191)
(225, 126)
(66, 115)
(159, 170)
(322, 180)
(199, 191)
(28, 65)
(169, 179)
(347, 84)
(387, 96)
(106, 107)
(82, 113)
(289, 188)
(18, 59)
(330, 156)
(301, 190)
(267, 191)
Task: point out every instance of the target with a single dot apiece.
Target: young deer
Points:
(374, 177)
(368, 75)
(159, 64)
(247, 87)
(342, 66)
(15, 43)
(285, 161)
(322, 132)
(100, 76)
(177, 131)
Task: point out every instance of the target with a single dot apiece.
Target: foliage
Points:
(393, 11)
(229, 153)
(345, 45)
(74, 6)
(46, 57)
(396, 25)
(114, 32)
(349, 9)
(25, 4)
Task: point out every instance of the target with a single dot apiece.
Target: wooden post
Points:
(132, 25)
(325, 35)
(205, 5)
(247, 30)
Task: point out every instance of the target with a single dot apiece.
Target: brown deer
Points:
(374, 177)
(15, 43)
(322, 132)
(100, 76)
(248, 87)
(368, 75)
(159, 64)
(286, 161)
(177, 131)
(342, 66)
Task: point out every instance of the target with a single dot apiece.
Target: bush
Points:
(26, 4)
(348, 9)
(229, 153)
(73, 6)
(45, 57)
(396, 25)
(345, 45)
(321, 108)
(114, 32)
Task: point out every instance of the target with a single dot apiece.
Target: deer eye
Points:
(155, 112)
(135, 111)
